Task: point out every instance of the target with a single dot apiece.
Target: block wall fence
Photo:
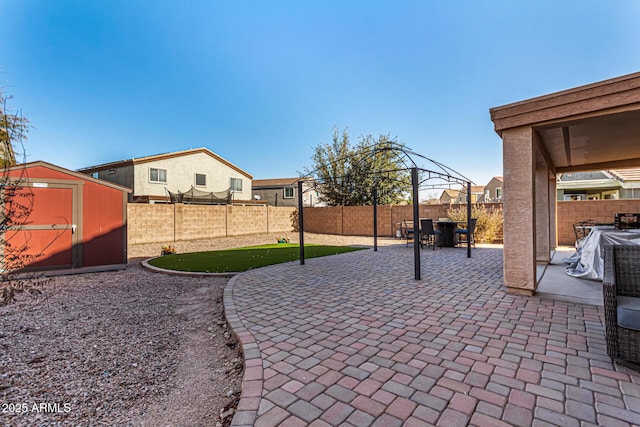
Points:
(159, 223)
(178, 222)
(358, 220)
(570, 212)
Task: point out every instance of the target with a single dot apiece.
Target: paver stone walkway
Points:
(354, 340)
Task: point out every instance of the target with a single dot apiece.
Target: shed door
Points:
(50, 234)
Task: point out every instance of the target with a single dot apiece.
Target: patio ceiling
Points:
(591, 127)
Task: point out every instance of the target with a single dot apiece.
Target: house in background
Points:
(479, 193)
(599, 185)
(284, 192)
(449, 196)
(493, 190)
(197, 170)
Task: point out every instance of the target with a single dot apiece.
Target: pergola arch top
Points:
(420, 175)
(428, 168)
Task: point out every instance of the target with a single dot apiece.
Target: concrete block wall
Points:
(325, 220)
(279, 219)
(243, 220)
(150, 223)
(158, 223)
(358, 220)
(166, 223)
(205, 222)
(571, 212)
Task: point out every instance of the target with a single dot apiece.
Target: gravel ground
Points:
(128, 348)
(120, 348)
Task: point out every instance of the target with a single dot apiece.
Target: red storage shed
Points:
(75, 221)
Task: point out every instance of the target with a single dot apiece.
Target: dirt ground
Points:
(129, 347)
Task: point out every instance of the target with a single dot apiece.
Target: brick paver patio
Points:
(355, 340)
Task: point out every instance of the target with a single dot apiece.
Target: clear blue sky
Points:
(263, 82)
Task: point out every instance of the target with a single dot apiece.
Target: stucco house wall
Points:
(179, 170)
(181, 175)
(121, 176)
(494, 190)
(284, 192)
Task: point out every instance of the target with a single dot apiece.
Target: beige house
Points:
(599, 185)
(460, 196)
(588, 128)
(449, 196)
(152, 178)
(493, 190)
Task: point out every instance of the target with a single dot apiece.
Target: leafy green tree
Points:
(347, 175)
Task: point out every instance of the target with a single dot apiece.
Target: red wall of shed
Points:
(103, 230)
(35, 172)
(103, 220)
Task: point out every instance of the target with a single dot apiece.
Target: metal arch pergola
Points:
(445, 173)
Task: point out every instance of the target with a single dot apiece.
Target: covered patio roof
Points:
(591, 127)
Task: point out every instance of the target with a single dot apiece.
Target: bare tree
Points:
(16, 203)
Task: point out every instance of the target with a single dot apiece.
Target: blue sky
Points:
(263, 82)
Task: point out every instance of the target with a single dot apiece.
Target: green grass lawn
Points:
(243, 259)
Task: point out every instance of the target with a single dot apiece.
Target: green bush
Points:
(489, 224)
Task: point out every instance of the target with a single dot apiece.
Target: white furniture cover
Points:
(588, 261)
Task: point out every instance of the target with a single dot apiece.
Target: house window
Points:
(498, 193)
(610, 195)
(157, 175)
(288, 193)
(201, 180)
(574, 196)
(236, 184)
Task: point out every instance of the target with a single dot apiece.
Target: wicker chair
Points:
(428, 235)
(621, 292)
(407, 231)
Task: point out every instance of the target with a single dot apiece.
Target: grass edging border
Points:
(150, 267)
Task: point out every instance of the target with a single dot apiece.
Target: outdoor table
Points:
(588, 261)
(447, 228)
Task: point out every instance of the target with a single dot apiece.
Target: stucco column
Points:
(553, 212)
(519, 210)
(543, 255)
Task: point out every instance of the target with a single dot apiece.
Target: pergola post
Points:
(468, 219)
(300, 222)
(416, 223)
(375, 219)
